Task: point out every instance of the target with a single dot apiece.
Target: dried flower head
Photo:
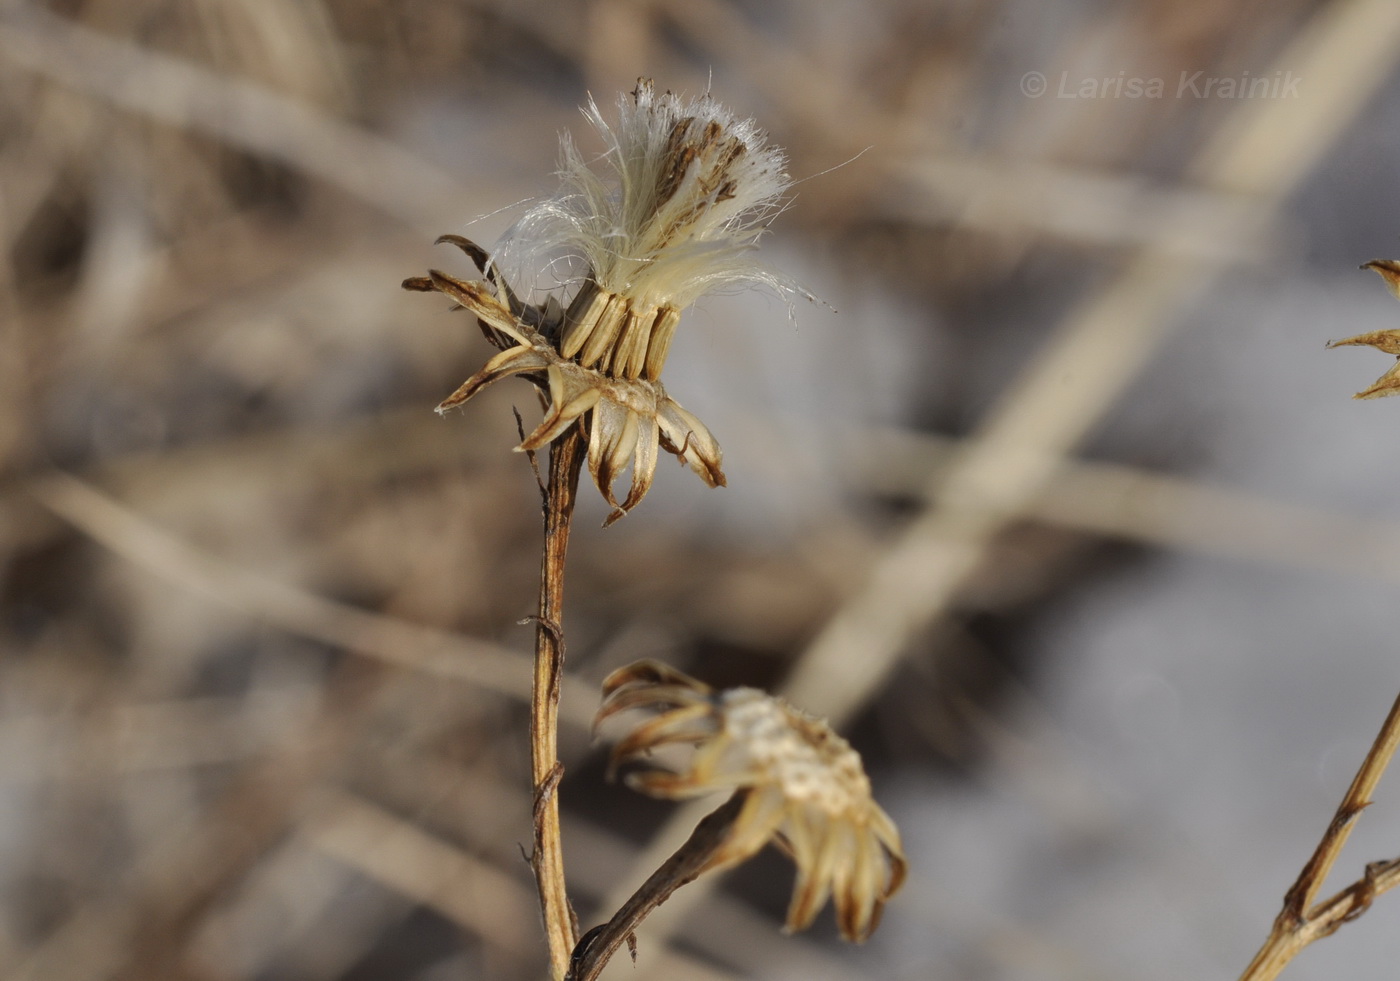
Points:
(1382, 340)
(806, 787)
(673, 210)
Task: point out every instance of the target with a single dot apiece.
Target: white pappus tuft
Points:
(672, 209)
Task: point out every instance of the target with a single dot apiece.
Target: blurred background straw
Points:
(1058, 506)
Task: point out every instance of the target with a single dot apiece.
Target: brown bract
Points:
(1382, 340)
(807, 788)
(626, 418)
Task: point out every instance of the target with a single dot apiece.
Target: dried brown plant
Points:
(1048, 520)
(688, 193)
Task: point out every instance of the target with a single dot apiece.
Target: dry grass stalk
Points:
(1301, 921)
(237, 111)
(296, 611)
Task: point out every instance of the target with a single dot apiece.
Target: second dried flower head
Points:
(672, 210)
(806, 787)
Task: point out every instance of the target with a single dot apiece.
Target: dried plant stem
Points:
(238, 112)
(560, 493)
(1300, 922)
(685, 865)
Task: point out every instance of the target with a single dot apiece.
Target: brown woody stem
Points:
(1300, 922)
(689, 861)
(547, 860)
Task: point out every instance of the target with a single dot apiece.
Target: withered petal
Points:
(801, 839)
(644, 464)
(479, 256)
(899, 869)
(623, 449)
(475, 298)
(649, 671)
(1382, 340)
(887, 867)
(567, 381)
(1386, 384)
(482, 259)
(568, 404)
(884, 829)
(664, 783)
(689, 439)
(814, 878)
(763, 812)
(859, 888)
(705, 765)
(683, 725)
(665, 697)
(511, 361)
(1389, 270)
(610, 444)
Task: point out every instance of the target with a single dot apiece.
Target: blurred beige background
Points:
(1057, 505)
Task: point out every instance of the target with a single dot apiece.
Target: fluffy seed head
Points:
(670, 211)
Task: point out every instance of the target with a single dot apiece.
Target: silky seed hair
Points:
(672, 209)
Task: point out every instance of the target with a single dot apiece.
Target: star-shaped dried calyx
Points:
(627, 419)
(1382, 340)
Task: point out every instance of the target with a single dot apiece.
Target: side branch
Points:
(1300, 922)
(689, 861)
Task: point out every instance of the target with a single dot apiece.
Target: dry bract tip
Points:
(807, 789)
(672, 210)
(1382, 340)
